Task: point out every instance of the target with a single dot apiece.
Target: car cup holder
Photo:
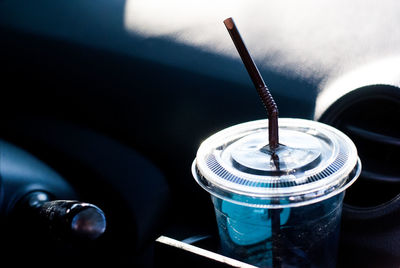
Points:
(370, 232)
(369, 115)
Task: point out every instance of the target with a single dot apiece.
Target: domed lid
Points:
(313, 162)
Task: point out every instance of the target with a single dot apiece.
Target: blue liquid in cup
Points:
(307, 237)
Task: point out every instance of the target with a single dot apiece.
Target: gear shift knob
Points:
(68, 217)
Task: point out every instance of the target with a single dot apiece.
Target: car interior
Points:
(105, 103)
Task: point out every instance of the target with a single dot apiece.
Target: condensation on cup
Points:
(281, 211)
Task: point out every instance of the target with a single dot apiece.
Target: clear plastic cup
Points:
(279, 209)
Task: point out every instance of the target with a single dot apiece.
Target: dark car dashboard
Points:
(113, 98)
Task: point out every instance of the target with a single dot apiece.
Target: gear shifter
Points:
(65, 217)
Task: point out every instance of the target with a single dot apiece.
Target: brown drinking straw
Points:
(258, 82)
(272, 111)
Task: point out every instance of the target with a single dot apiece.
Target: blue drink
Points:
(246, 233)
(282, 208)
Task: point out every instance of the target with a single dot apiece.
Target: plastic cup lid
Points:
(315, 161)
